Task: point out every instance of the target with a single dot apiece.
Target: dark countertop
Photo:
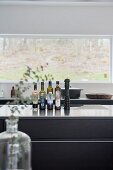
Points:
(79, 101)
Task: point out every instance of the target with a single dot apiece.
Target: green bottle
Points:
(42, 97)
(35, 98)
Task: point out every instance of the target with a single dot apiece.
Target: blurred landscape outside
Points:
(80, 59)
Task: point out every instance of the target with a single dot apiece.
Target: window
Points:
(80, 58)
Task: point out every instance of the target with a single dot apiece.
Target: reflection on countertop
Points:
(83, 111)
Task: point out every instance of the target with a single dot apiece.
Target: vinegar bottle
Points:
(35, 98)
(57, 96)
(13, 92)
(50, 96)
(42, 97)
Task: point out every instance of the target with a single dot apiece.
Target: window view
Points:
(80, 59)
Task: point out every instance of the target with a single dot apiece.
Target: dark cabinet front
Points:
(69, 143)
(67, 128)
(1, 125)
(72, 156)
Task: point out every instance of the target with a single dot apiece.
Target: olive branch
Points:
(29, 74)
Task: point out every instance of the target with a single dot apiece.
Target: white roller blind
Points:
(56, 19)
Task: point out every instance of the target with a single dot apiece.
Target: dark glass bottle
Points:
(50, 96)
(35, 98)
(13, 92)
(42, 97)
(66, 95)
(57, 96)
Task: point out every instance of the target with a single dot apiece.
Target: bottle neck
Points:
(57, 85)
(11, 126)
(35, 87)
(42, 88)
(67, 82)
(50, 84)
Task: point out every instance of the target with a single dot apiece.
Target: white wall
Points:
(56, 19)
(87, 88)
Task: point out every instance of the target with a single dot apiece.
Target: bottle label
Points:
(35, 97)
(35, 101)
(57, 98)
(42, 101)
(50, 98)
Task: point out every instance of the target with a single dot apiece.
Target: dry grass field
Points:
(77, 59)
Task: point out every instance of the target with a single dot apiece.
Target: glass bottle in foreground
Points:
(15, 147)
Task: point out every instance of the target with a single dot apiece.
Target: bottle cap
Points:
(42, 83)
(57, 82)
(50, 83)
(35, 86)
(67, 80)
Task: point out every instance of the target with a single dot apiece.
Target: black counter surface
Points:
(79, 101)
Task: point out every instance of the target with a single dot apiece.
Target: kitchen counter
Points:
(81, 138)
(82, 111)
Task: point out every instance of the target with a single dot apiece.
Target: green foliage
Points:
(23, 86)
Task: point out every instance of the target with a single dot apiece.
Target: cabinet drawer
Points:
(67, 129)
(2, 126)
(72, 156)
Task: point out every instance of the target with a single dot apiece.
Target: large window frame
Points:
(68, 36)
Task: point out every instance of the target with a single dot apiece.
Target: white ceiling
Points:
(62, 0)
